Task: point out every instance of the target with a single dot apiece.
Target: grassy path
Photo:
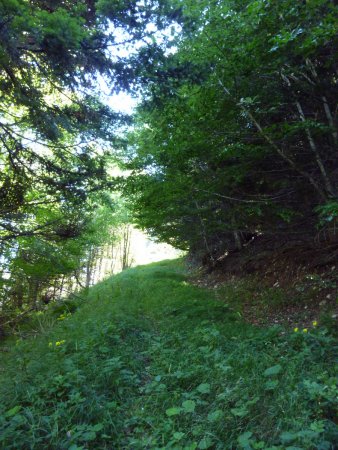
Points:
(151, 362)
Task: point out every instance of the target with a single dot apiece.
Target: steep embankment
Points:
(150, 361)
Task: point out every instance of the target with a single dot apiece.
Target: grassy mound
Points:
(151, 362)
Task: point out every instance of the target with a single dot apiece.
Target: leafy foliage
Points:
(243, 142)
(51, 57)
(57, 138)
(151, 361)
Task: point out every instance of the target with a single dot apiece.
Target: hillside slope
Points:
(152, 362)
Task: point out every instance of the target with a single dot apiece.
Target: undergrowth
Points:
(152, 362)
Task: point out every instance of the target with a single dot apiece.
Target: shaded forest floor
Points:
(285, 282)
(150, 361)
(266, 301)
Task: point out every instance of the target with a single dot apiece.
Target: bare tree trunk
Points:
(106, 264)
(203, 231)
(62, 281)
(315, 151)
(77, 276)
(34, 292)
(89, 268)
(329, 117)
(326, 105)
(2, 247)
(125, 247)
(54, 288)
(238, 240)
(100, 264)
(70, 284)
(113, 257)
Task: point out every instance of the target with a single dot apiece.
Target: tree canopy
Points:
(237, 134)
(52, 121)
(57, 135)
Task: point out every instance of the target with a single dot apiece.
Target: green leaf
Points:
(178, 436)
(204, 388)
(214, 416)
(318, 426)
(240, 412)
(189, 406)
(205, 443)
(192, 446)
(97, 427)
(244, 438)
(271, 385)
(286, 436)
(88, 436)
(260, 445)
(13, 411)
(274, 370)
(104, 349)
(173, 411)
(308, 434)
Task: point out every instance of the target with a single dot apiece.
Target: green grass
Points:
(152, 362)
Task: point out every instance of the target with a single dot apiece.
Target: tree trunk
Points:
(315, 151)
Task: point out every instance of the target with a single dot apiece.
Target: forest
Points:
(231, 156)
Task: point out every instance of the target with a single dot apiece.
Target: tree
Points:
(51, 55)
(57, 138)
(244, 143)
(43, 269)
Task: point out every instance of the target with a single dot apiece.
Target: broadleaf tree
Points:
(237, 133)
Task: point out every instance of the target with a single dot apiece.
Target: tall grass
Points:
(151, 362)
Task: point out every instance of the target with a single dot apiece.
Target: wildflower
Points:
(50, 344)
(295, 329)
(64, 316)
(315, 323)
(304, 330)
(58, 343)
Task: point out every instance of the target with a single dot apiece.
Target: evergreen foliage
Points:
(51, 120)
(57, 138)
(237, 133)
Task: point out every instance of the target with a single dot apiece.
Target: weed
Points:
(151, 362)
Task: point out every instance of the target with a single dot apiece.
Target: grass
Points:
(152, 362)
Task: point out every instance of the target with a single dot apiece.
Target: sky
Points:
(121, 102)
(124, 102)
